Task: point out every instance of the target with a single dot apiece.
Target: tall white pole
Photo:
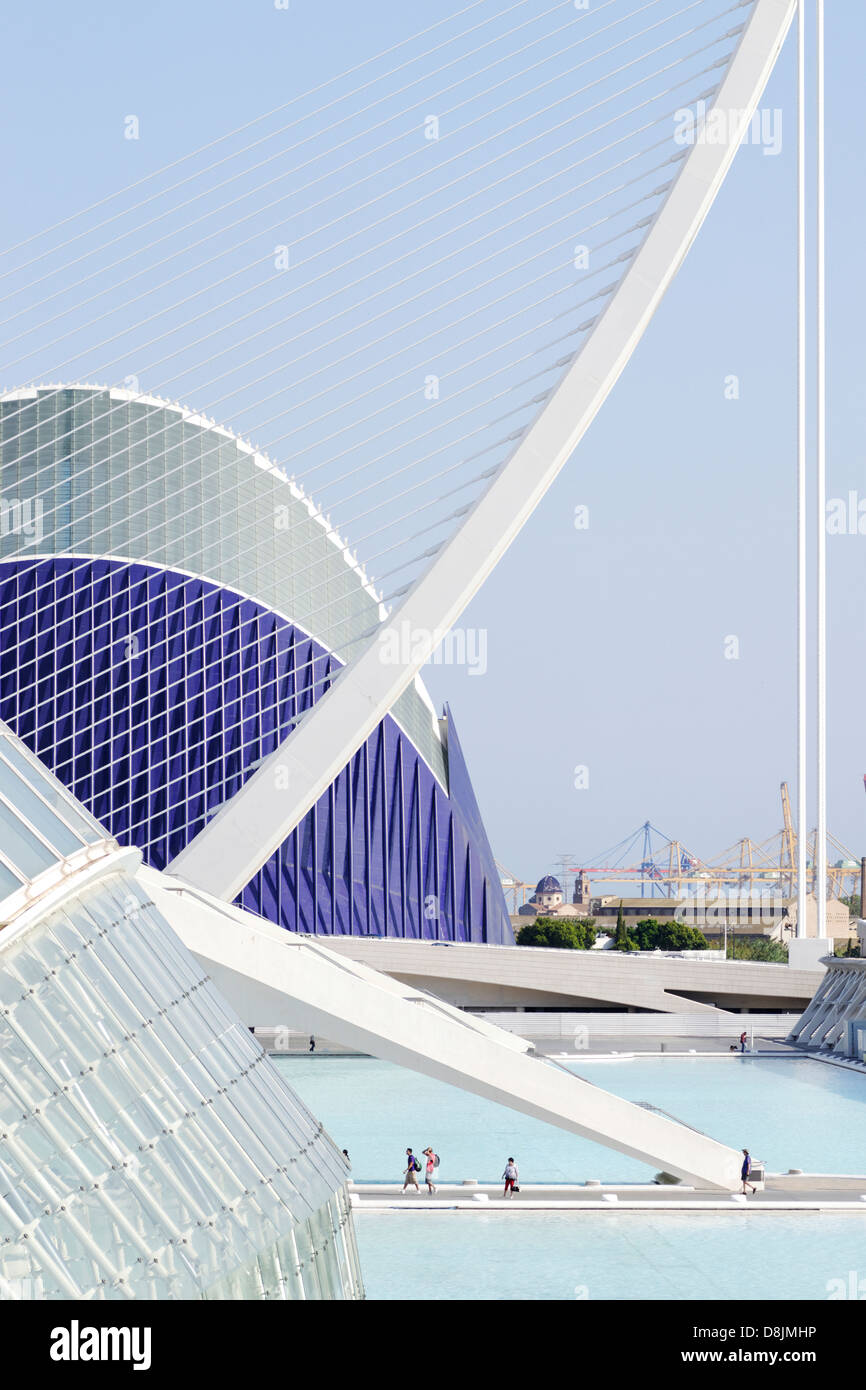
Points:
(801, 469)
(821, 497)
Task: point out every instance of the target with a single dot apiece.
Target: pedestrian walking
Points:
(412, 1167)
(746, 1172)
(510, 1176)
(432, 1165)
(312, 1044)
(743, 1041)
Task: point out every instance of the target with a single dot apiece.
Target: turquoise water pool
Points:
(624, 1255)
(790, 1112)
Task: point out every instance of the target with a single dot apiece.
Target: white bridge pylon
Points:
(249, 828)
(269, 974)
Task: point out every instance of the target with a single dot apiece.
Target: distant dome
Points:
(548, 884)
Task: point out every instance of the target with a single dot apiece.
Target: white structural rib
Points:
(821, 499)
(802, 512)
(249, 829)
(267, 973)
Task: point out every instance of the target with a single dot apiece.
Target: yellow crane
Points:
(514, 886)
(789, 841)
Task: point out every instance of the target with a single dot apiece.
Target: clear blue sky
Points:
(606, 646)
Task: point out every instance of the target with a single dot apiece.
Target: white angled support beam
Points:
(272, 976)
(249, 829)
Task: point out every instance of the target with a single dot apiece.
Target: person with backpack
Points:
(412, 1167)
(510, 1175)
(432, 1165)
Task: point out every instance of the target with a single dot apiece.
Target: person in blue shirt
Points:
(412, 1167)
(746, 1170)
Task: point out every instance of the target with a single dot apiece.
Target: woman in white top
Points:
(510, 1175)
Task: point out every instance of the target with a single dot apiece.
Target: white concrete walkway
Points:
(273, 976)
(782, 1192)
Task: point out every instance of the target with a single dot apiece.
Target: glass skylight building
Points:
(150, 1148)
(170, 605)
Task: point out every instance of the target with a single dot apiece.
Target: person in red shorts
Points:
(430, 1171)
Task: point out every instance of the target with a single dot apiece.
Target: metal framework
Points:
(745, 869)
(668, 869)
(247, 830)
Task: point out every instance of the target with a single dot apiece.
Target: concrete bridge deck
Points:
(523, 977)
(781, 1192)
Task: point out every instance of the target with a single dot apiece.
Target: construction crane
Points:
(664, 867)
(747, 867)
(514, 886)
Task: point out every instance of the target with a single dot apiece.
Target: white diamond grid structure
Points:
(149, 1147)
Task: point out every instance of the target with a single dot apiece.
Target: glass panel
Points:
(25, 800)
(183, 1171)
(23, 849)
(8, 882)
(55, 794)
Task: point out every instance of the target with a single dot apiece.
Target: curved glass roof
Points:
(101, 471)
(41, 823)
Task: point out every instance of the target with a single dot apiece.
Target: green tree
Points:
(590, 931)
(560, 933)
(646, 934)
(533, 933)
(652, 935)
(758, 948)
(853, 904)
(623, 940)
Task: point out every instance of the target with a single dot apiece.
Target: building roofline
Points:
(204, 422)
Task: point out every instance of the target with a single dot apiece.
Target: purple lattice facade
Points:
(153, 695)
